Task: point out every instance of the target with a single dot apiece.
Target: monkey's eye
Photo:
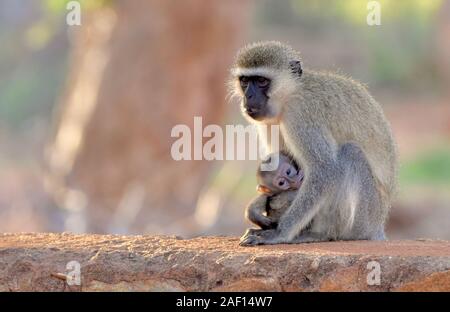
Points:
(281, 183)
(243, 81)
(262, 82)
(291, 172)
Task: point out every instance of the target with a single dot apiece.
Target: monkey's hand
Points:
(263, 221)
(255, 213)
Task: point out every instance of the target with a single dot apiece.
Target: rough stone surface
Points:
(37, 262)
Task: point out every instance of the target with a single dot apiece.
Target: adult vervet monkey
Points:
(337, 133)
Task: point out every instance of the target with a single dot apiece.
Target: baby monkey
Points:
(277, 189)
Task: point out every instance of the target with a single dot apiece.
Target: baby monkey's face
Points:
(286, 177)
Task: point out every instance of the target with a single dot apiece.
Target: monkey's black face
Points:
(255, 99)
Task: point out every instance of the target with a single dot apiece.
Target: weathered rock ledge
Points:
(37, 262)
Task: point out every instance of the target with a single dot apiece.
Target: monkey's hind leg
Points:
(362, 211)
(309, 237)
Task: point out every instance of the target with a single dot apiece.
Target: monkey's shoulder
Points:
(330, 81)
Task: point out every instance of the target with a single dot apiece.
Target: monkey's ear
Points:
(296, 67)
(263, 189)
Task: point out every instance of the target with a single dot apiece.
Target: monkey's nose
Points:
(252, 110)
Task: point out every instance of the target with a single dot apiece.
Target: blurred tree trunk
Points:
(138, 69)
(443, 44)
(443, 52)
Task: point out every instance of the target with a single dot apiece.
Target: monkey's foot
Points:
(253, 237)
(248, 233)
(251, 240)
(260, 237)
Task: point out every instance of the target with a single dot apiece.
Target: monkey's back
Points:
(350, 114)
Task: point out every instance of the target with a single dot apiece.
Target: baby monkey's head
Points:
(287, 176)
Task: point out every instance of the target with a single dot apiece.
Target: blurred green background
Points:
(405, 62)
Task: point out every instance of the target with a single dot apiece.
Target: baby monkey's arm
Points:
(255, 212)
(279, 203)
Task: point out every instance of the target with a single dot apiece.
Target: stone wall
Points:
(48, 262)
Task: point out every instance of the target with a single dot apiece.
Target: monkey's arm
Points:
(283, 200)
(321, 175)
(255, 212)
(278, 205)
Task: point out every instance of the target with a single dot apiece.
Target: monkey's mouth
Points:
(256, 114)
